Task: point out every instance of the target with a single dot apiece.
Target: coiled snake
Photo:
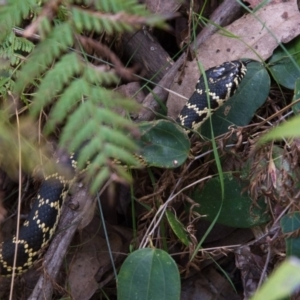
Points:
(36, 232)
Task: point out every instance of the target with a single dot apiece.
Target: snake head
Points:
(212, 90)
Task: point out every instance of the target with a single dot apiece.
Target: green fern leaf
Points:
(130, 6)
(13, 48)
(12, 13)
(73, 90)
(77, 91)
(85, 132)
(86, 20)
(59, 40)
(101, 177)
(91, 151)
(55, 79)
(120, 154)
(80, 120)
(118, 138)
(94, 76)
(15, 141)
(91, 125)
(72, 95)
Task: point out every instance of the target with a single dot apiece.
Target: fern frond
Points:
(59, 40)
(120, 154)
(98, 21)
(102, 132)
(93, 127)
(73, 90)
(61, 74)
(134, 12)
(87, 121)
(102, 175)
(19, 43)
(71, 96)
(118, 138)
(130, 6)
(95, 75)
(76, 92)
(14, 49)
(12, 13)
(10, 135)
(6, 84)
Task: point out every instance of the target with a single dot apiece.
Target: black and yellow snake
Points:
(36, 232)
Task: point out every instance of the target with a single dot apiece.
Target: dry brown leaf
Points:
(84, 267)
(132, 90)
(91, 264)
(208, 285)
(255, 3)
(89, 258)
(162, 6)
(251, 266)
(3, 211)
(255, 38)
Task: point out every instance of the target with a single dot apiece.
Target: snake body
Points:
(222, 82)
(212, 90)
(40, 224)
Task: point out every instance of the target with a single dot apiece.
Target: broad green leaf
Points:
(149, 274)
(290, 223)
(238, 208)
(292, 246)
(163, 144)
(289, 129)
(241, 107)
(283, 282)
(283, 69)
(296, 107)
(178, 228)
